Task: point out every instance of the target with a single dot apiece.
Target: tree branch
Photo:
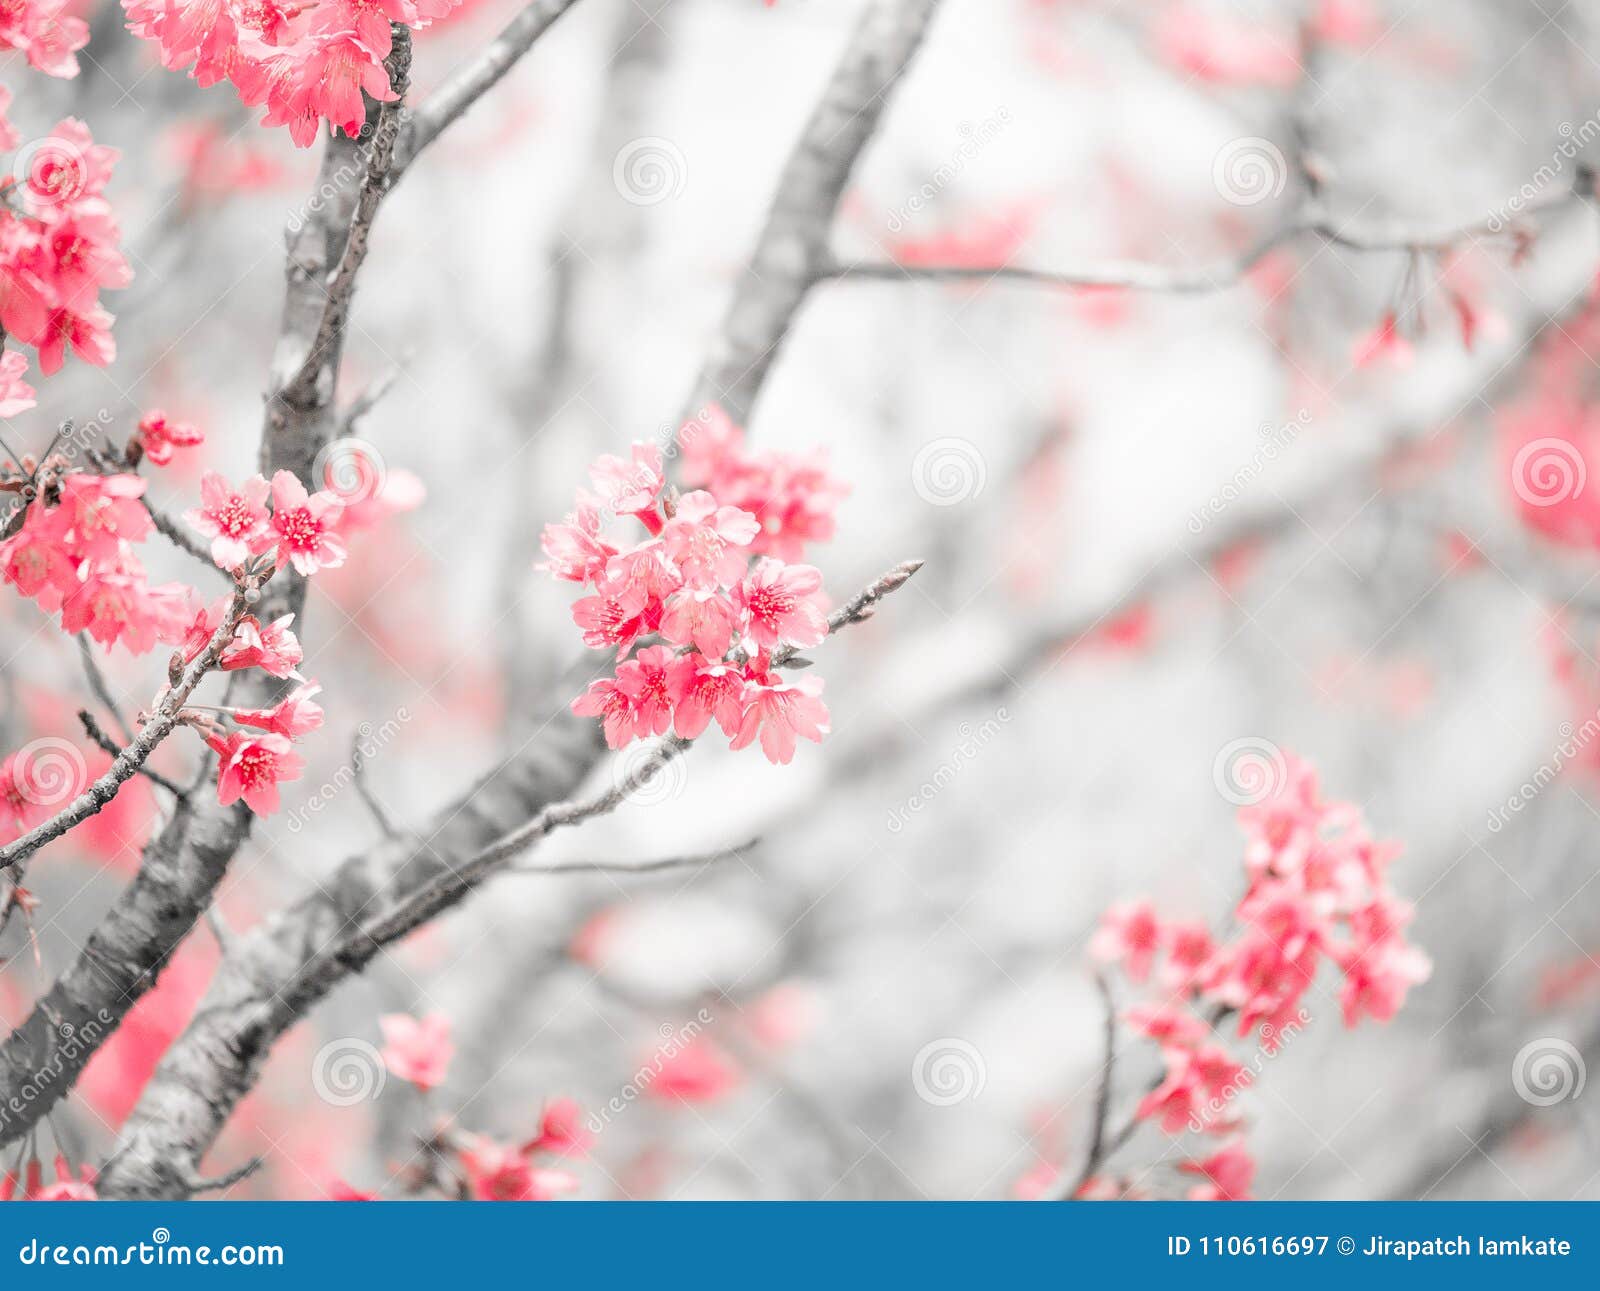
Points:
(792, 254)
(341, 284)
(1139, 275)
(180, 537)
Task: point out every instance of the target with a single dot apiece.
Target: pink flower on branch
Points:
(234, 519)
(159, 436)
(295, 715)
(777, 605)
(779, 712)
(273, 648)
(417, 1050)
(252, 767)
(1317, 893)
(498, 1172)
(305, 526)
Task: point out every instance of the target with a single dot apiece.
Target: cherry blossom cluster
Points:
(255, 747)
(705, 596)
(1317, 892)
(305, 63)
(470, 1166)
(76, 553)
(45, 32)
(58, 250)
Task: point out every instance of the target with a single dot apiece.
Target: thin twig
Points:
(222, 1182)
(375, 390)
(180, 537)
(691, 860)
(358, 773)
(1102, 1100)
(1139, 275)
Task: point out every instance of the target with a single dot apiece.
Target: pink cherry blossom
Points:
(613, 618)
(22, 806)
(305, 526)
(272, 648)
(36, 561)
(252, 766)
(86, 331)
(1188, 947)
(614, 705)
(1129, 935)
(498, 1172)
(703, 618)
(776, 602)
(103, 512)
(160, 436)
(295, 715)
(46, 33)
(779, 711)
(235, 519)
(417, 1050)
(630, 487)
(116, 605)
(16, 395)
(202, 627)
(76, 167)
(1377, 980)
(696, 1072)
(1195, 1075)
(1228, 1174)
(708, 542)
(1167, 1024)
(561, 1130)
(792, 496)
(575, 548)
(702, 689)
(647, 571)
(644, 678)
